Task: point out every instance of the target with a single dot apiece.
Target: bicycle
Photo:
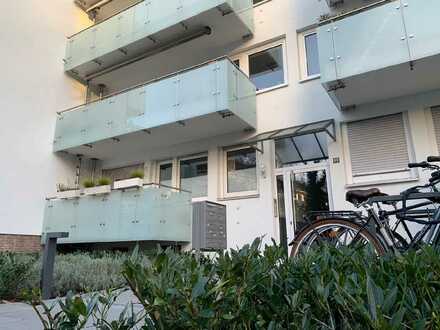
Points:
(377, 228)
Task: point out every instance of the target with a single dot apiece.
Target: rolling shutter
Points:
(378, 145)
(436, 118)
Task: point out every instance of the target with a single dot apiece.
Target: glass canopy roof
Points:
(300, 144)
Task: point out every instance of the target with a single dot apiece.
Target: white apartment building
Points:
(314, 98)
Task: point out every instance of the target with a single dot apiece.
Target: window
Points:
(194, 176)
(378, 145)
(266, 68)
(435, 111)
(309, 54)
(241, 171)
(166, 174)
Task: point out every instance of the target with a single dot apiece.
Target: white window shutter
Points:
(378, 145)
(436, 119)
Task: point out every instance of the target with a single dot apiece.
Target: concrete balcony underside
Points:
(210, 100)
(151, 213)
(386, 52)
(152, 26)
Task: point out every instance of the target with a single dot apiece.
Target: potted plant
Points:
(66, 192)
(102, 186)
(136, 180)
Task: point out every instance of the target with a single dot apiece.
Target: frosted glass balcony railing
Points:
(151, 213)
(151, 24)
(217, 93)
(384, 52)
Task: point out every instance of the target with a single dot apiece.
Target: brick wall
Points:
(20, 243)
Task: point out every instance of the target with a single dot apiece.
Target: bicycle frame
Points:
(428, 217)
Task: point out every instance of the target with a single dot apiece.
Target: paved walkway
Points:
(19, 316)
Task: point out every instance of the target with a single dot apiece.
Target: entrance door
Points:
(299, 191)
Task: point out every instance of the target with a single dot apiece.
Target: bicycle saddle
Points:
(360, 196)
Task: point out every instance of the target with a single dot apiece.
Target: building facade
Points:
(272, 108)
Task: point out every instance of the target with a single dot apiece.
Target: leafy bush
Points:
(249, 289)
(253, 288)
(13, 270)
(104, 182)
(137, 174)
(89, 183)
(82, 272)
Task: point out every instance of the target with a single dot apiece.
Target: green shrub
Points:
(89, 183)
(328, 289)
(254, 288)
(81, 272)
(13, 270)
(137, 174)
(104, 182)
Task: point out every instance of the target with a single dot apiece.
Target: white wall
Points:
(36, 87)
(33, 87)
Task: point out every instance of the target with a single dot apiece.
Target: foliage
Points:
(89, 183)
(13, 270)
(327, 289)
(104, 181)
(82, 272)
(137, 174)
(255, 288)
(79, 312)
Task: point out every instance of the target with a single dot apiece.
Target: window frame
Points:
(163, 162)
(241, 194)
(178, 178)
(243, 58)
(302, 56)
(175, 172)
(378, 177)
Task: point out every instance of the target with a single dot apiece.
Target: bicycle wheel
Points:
(337, 233)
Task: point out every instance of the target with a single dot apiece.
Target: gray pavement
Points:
(20, 316)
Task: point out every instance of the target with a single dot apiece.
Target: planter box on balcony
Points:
(128, 183)
(68, 194)
(100, 190)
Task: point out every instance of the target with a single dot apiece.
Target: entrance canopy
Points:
(300, 144)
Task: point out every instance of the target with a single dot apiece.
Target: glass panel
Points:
(361, 40)
(302, 148)
(194, 176)
(309, 147)
(421, 36)
(285, 152)
(309, 193)
(266, 68)
(281, 211)
(242, 170)
(166, 174)
(312, 55)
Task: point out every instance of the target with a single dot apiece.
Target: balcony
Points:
(152, 26)
(209, 100)
(385, 52)
(151, 213)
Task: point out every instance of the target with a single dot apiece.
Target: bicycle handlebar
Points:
(422, 165)
(433, 159)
